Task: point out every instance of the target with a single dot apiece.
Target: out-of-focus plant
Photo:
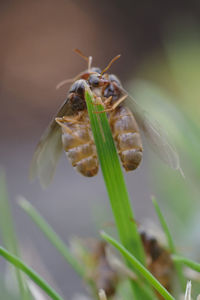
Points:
(9, 239)
(170, 93)
(19, 290)
(185, 134)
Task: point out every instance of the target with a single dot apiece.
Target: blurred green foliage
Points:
(8, 236)
(170, 91)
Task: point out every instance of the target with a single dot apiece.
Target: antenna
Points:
(88, 59)
(110, 63)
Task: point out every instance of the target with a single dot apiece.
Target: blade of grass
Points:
(52, 236)
(115, 183)
(188, 262)
(164, 226)
(15, 261)
(170, 242)
(8, 234)
(114, 179)
(139, 267)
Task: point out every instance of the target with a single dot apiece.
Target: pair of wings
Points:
(49, 148)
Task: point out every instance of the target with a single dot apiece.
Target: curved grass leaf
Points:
(52, 236)
(15, 261)
(188, 262)
(8, 234)
(139, 267)
(171, 245)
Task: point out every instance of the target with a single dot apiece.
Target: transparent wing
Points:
(156, 137)
(48, 150)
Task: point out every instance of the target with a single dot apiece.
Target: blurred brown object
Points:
(159, 261)
(37, 39)
(100, 272)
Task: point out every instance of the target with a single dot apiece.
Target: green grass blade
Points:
(114, 179)
(15, 261)
(8, 233)
(164, 226)
(140, 268)
(170, 242)
(52, 236)
(115, 184)
(188, 262)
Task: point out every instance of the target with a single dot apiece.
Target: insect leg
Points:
(75, 119)
(108, 101)
(72, 120)
(61, 121)
(118, 102)
(114, 105)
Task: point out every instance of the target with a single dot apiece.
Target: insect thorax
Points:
(113, 88)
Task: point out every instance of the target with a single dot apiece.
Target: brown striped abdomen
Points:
(127, 137)
(79, 146)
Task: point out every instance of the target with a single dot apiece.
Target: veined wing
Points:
(48, 150)
(157, 138)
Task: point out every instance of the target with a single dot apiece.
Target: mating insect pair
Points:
(70, 129)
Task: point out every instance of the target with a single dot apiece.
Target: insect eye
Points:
(94, 81)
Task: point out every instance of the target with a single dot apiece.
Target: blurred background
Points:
(160, 66)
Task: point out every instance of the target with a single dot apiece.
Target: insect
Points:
(70, 128)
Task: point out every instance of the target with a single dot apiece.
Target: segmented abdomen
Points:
(79, 146)
(127, 137)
